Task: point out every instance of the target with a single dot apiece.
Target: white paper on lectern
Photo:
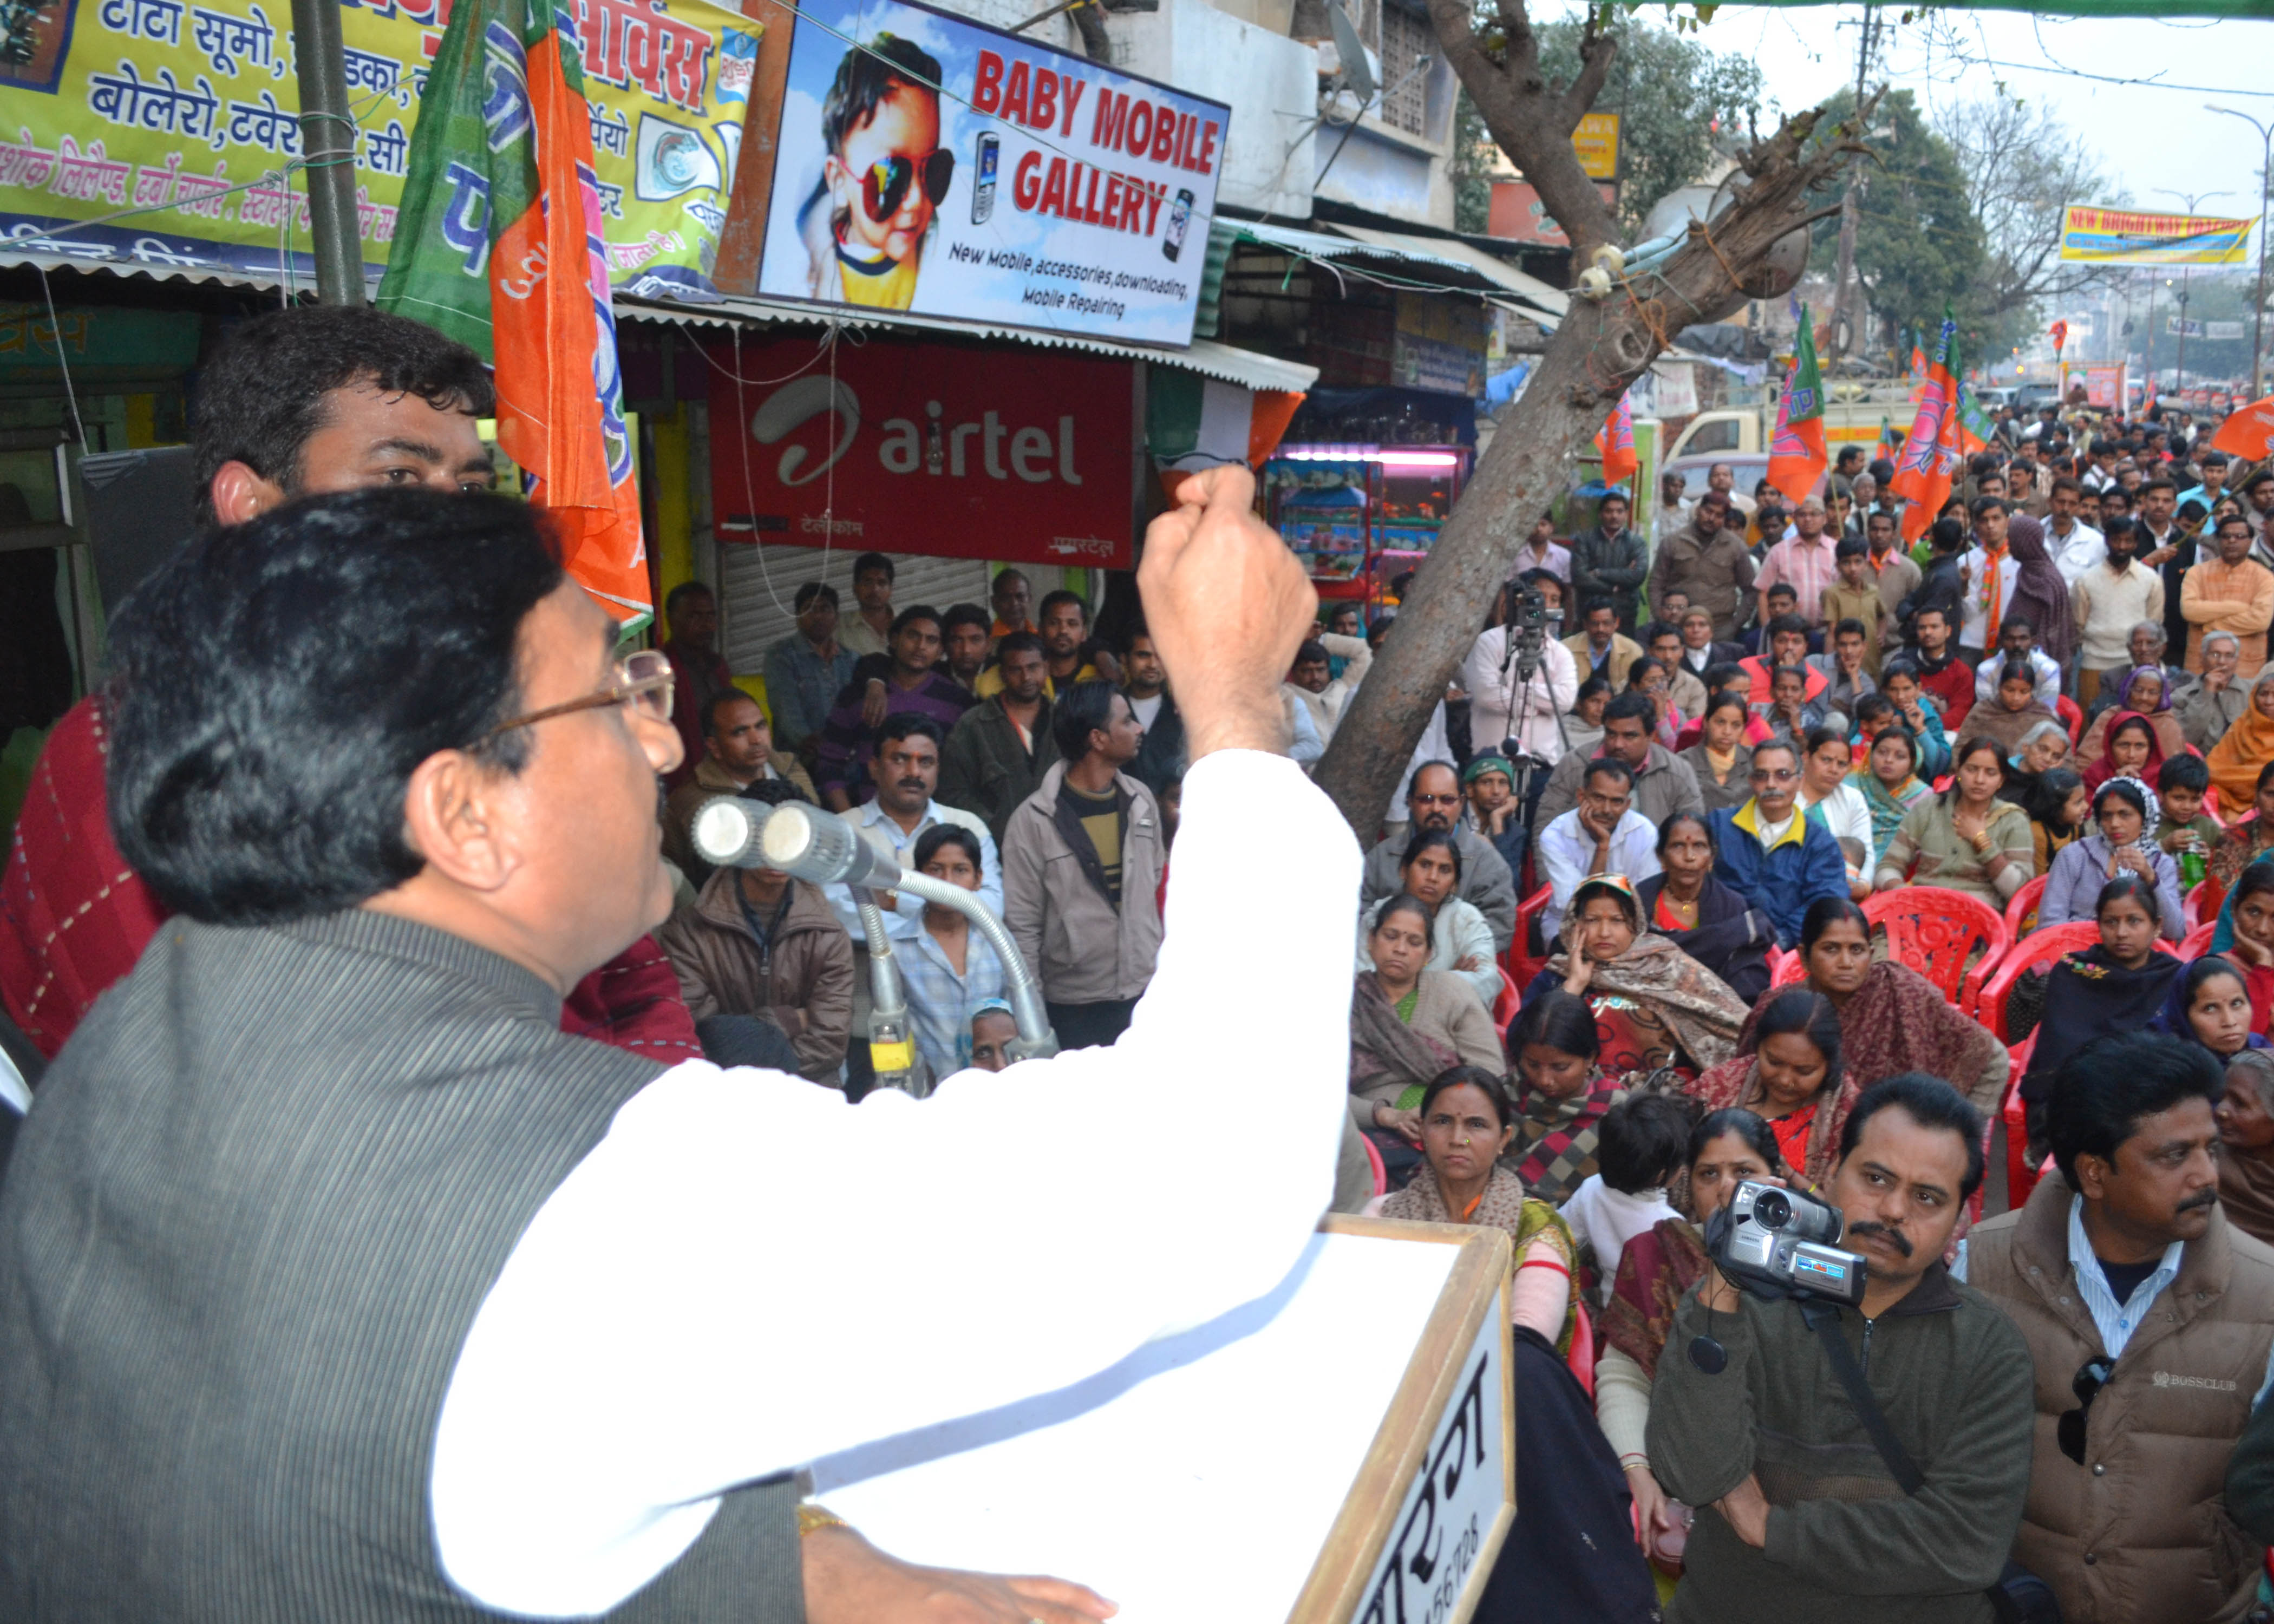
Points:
(1194, 1483)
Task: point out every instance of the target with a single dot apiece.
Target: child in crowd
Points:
(2181, 785)
(1641, 1146)
(1854, 597)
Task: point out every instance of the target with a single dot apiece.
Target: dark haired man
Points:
(1801, 1513)
(1160, 761)
(2229, 591)
(1664, 783)
(691, 610)
(766, 947)
(870, 630)
(1772, 853)
(2017, 645)
(806, 670)
(1432, 800)
(996, 755)
(2149, 1319)
(1066, 654)
(738, 751)
(1083, 858)
(1602, 834)
(964, 644)
(2166, 548)
(1321, 695)
(1706, 562)
(1609, 561)
(1947, 677)
(1012, 599)
(318, 398)
(387, 904)
(847, 739)
(904, 810)
(1599, 648)
(1785, 640)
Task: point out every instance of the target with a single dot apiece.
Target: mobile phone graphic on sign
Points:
(982, 192)
(1180, 215)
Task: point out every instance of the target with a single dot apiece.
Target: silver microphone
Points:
(725, 830)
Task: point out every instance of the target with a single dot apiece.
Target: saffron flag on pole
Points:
(2249, 432)
(1922, 474)
(1796, 456)
(1615, 440)
(499, 244)
(1974, 425)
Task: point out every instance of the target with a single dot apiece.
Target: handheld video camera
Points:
(1777, 1242)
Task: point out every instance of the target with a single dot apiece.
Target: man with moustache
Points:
(1800, 1515)
(2149, 1319)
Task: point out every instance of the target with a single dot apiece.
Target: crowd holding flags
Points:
(499, 244)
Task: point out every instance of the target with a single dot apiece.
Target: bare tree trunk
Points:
(1601, 347)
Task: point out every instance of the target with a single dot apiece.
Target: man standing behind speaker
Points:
(340, 1285)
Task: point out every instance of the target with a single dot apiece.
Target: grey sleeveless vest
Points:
(243, 1236)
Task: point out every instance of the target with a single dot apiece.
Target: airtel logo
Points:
(935, 446)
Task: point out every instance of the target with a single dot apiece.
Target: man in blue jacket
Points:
(1768, 850)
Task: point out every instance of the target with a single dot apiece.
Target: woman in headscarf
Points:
(2132, 751)
(1562, 1095)
(1656, 1271)
(2209, 1005)
(2115, 985)
(2237, 760)
(2146, 690)
(2244, 843)
(1793, 1080)
(1409, 1024)
(2246, 1150)
(1705, 918)
(1891, 1019)
(1888, 781)
(2123, 841)
(2040, 592)
(2011, 710)
(1654, 1006)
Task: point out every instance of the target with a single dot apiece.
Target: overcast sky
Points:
(2147, 136)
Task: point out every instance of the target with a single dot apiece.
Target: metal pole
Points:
(2194, 201)
(327, 142)
(2266, 182)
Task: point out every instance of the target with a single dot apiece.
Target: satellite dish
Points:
(1349, 51)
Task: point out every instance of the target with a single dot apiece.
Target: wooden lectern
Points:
(1340, 1452)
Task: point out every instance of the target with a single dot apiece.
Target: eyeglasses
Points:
(1775, 775)
(2092, 1376)
(1421, 800)
(644, 680)
(885, 184)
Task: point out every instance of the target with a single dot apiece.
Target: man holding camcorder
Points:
(1853, 1422)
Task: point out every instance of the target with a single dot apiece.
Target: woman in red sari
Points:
(1793, 1080)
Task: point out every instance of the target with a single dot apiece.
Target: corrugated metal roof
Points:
(1206, 357)
(1539, 301)
(151, 270)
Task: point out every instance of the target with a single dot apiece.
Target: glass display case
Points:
(1359, 515)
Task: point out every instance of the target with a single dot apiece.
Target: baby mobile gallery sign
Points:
(932, 165)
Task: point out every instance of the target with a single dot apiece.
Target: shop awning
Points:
(1534, 297)
(1206, 357)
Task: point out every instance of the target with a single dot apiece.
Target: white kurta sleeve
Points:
(729, 1285)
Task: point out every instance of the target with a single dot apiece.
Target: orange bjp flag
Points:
(1616, 441)
(2249, 432)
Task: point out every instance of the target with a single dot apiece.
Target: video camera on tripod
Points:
(1527, 622)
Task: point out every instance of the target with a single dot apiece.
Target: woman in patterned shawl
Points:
(1793, 1080)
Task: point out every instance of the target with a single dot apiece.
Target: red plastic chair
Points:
(2072, 716)
(2020, 1177)
(1373, 1160)
(1519, 963)
(1935, 931)
(2197, 942)
(2042, 948)
(2021, 911)
(1505, 1006)
(1789, 972)
(2191, 906)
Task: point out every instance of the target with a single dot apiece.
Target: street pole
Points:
(327, 142)
(1850, 337)
(2193, 200)
(2258, 307)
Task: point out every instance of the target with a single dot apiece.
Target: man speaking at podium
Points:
(338, 1284)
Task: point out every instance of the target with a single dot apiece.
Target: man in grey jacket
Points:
(1082, 859)
(1610, 561)
(1799, 1515)
(1664, 783)
(1432, 800)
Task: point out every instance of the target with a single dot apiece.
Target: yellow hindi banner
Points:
(162, 131)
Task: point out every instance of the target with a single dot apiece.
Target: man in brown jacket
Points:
(758, 943)
(738, 750)
(1706, 562)
(2149, 1319)
(1082, 859)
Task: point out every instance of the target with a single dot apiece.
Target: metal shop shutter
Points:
(758, 585)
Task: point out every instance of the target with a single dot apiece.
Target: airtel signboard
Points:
(1016, 454)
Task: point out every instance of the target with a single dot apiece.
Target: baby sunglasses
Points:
(884, 186)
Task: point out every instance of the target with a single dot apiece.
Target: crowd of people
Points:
(1665, 810)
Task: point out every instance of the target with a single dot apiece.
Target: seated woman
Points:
(1705, 918)
(2057, 805)
(1721, 759)
(2116, 985)
(1649, 677)
(2238, 761)
(1466, 1122)
(1891, 1019)
(1561, 1096)
(2043, 749)
(2124, 842)
(1826, 796)
(2132, 751)
(2246, 1148)
(949, 970)
(1654, 1006)
(1431, 870)
(2209, 1005)
(1792, 1081)
(1888, 781)
(2250, 932)
(2244, 843)
(1408, 1024)
(2145, 691)
(2011, 710)
(1726, 1149)
(1965, 839)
